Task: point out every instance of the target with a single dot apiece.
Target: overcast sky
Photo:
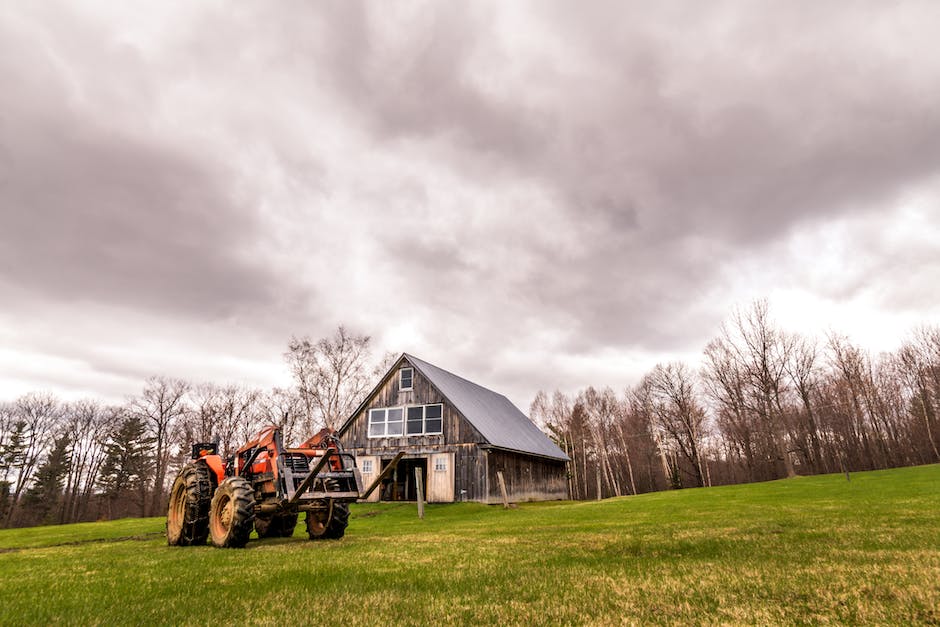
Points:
(532, 195)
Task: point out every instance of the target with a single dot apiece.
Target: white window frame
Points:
(401, 383)
(366, 467)
(424, 420)
(372, 412)
(384, 422)
(440, 464)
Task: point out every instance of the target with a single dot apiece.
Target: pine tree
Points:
(42, 500)
(11, 456)
(4, 499)
(11, 451)
(127, 468)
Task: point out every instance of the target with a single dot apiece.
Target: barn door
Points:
(441, 478)
(369, 469)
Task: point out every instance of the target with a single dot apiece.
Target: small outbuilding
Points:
(458, 433)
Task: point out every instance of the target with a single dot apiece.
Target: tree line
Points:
(764, 404)
(63, 462)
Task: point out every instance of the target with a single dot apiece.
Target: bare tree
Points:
(226, 413)
(201, 422)
(803, 369)
(88, 426)
(678, 414)
(332, 375)
(919, 361)
(854, 367)
(602, 409)
(570, 423)
(285, 409)
(159, 407)
(638, 441)
(756, 352)
(726, 385)
(555, 414)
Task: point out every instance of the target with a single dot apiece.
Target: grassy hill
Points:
(814, 549)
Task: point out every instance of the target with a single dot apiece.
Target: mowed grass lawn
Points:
(806, 550)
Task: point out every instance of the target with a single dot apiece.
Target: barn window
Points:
(385, 422)
(425, 420)
(415, 420)
(376, 423)
(394, 426)
(433, 422)
(367, 466)
(440, 464)
(406, 379)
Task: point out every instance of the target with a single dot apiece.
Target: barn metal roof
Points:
(493, 415)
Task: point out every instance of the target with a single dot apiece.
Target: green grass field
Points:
(806, 550)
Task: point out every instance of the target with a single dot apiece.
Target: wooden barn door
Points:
(369, 467)
(441, 478)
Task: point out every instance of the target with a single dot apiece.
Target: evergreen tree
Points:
(42, 500)
(4, 499)
(11, 456)
(127, 468)
(11, 450)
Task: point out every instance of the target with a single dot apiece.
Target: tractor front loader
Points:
(265, 486)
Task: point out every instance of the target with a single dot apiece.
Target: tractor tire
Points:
(232, 513)
(334, 528)
(187, 521)
(276, 526)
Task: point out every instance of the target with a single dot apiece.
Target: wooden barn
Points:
(458, 433)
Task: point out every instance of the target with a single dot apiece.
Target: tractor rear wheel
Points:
(232, 513)
(187, 521)
(333, 528)
(281, 526)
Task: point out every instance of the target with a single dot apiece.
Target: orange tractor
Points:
(265, 486)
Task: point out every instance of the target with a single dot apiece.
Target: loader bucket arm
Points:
(305, 484)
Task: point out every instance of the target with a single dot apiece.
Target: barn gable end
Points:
(457, 432)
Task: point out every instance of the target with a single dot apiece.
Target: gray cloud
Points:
(517, 189)
(665, 151)
(108, 213)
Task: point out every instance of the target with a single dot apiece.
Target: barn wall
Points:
(527, 478)
(456, 430)
(459, 437)
(441, 478)
(470, 475)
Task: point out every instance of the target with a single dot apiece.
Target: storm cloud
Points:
(534, 195)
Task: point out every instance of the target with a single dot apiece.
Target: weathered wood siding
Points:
(458, 436)
(369, 477)
(441, 478)
(470, 473)
(527, 478)
(455, 429)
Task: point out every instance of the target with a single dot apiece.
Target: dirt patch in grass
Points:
(134, 538)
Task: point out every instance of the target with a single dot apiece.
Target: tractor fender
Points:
(214, 462)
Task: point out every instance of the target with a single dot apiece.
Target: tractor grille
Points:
(297, 462)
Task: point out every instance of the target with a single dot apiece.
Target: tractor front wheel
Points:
(187, 521)
(333, 527)
(232, 513)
